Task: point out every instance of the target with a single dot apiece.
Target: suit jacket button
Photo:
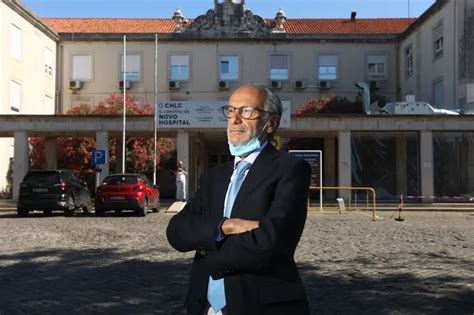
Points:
(198, 301)
(202, 253)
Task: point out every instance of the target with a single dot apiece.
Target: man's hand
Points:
(237, 226)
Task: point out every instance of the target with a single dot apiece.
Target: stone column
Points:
(401, 164)
(50, 152)
(21, 160)
(344, 162)
(102, 143)
(469, 149)
(329, 165)
(183, 154)
(426, 165)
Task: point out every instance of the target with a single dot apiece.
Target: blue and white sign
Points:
(201, 114)
(99, 156)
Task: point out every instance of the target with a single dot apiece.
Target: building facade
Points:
(27, 70)
(436, 61)
(206, 58)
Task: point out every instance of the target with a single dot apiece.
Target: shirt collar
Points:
(251, 157)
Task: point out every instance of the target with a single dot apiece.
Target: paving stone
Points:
(124, 265)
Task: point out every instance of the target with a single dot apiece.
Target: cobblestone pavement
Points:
(123, 265)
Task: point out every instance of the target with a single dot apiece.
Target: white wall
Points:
(204, 78)
(428, 69)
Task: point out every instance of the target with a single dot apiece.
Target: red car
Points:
(120, 192)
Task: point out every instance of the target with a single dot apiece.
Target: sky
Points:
(193, 8)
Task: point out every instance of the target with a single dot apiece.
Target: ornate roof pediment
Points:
(229, 17)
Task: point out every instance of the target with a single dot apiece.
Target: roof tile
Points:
(292, 26)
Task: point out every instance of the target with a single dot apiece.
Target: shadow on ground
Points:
(107, 281)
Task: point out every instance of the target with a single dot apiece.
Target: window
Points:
(48, 61)
(376, 67)
(229, 67)
(15, 42)
(278, 67)
(438, 94)
(409, 61)
(179, 67)
(81, 68)
(438, 41)
(15, 96)
(327, 67)
(133, 68)
(438, 47)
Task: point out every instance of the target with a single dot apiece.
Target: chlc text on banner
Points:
(201, 114)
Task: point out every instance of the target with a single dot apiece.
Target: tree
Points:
(330, 104)
(76, 153)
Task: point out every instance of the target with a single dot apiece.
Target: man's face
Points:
(240, 130)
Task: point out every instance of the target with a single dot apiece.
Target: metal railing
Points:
(355, 189)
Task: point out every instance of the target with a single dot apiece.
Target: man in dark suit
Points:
(246, 219)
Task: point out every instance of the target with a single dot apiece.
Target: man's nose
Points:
(235, 119)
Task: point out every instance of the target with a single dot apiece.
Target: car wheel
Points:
(118, 212)
(69, 211)
(144, 209)
(157, 208)
(22, 212)
(99, 212)
(86, 209)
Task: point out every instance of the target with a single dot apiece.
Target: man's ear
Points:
(272, 125)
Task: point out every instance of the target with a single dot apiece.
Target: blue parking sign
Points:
(99, 156)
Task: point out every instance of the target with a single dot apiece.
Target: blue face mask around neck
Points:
(250, 146)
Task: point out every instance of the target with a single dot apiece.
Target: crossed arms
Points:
(249, 245)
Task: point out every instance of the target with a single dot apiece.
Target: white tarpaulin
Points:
(202, 114)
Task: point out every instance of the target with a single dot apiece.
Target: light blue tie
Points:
(215, 290)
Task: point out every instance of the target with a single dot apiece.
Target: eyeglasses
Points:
(245, 112)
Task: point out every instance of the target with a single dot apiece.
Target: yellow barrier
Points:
(366, 189)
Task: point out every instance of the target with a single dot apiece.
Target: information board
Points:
(315, 160)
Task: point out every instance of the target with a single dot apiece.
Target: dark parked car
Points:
(50, 190)
(127, 192)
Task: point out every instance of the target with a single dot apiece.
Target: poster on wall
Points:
(202, 114)
(315, 160)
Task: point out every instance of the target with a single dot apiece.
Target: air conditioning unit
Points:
(223, 85)
(75, 85)
(276, 84)
(324, 85)
(374, 85)
(173, 85)
(127, 85)
(300, 85)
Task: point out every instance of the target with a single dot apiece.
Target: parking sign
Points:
(99, 156)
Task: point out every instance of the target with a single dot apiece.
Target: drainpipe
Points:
(398, 77)
(365, 88)
(59, 78)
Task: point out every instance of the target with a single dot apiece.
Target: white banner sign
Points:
(202, 114)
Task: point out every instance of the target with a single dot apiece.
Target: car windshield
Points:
(42, 177)
(119, 180)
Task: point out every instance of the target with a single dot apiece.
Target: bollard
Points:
(400, 208)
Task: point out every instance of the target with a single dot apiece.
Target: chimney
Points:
(353, 16)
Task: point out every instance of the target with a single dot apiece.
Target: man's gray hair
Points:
(273, 105)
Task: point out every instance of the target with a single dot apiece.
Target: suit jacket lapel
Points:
(220, 186)
(261, 168)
